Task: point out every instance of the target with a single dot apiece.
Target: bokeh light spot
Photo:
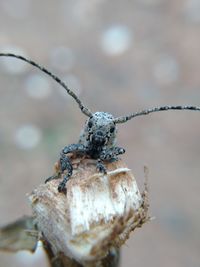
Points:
(27, 136)
(116, 40)
(38, 86)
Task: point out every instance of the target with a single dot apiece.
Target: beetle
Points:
(98, 137)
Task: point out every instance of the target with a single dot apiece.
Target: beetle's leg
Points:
(74, 148)
(66, 177)
(65, 162)
(55, 176)
(111, 154)
(100, 166)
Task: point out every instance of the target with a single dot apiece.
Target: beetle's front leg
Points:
(65, 162)
(109, 154)
(100, 166)
(66, 165)
(53, 177)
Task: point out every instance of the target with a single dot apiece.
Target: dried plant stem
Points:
(87, 226)
(111, 260)
(59, 260)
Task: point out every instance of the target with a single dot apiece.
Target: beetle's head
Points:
(101, 129)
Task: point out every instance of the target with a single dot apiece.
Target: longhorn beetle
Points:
(98, 138)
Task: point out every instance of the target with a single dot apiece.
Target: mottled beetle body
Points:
(98, 138)
(99, 130)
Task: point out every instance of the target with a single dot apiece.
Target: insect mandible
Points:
(98, 138)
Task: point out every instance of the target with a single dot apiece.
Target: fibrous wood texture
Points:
(95, 216)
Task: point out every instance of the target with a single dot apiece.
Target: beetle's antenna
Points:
(84, 109)
(156, 109)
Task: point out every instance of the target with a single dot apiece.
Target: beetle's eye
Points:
(90, 124)
(112, 129)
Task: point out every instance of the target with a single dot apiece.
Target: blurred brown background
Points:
(119, 56)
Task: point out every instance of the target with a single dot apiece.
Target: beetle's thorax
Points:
(99, 133)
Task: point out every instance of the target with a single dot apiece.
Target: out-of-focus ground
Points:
(119, 56)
